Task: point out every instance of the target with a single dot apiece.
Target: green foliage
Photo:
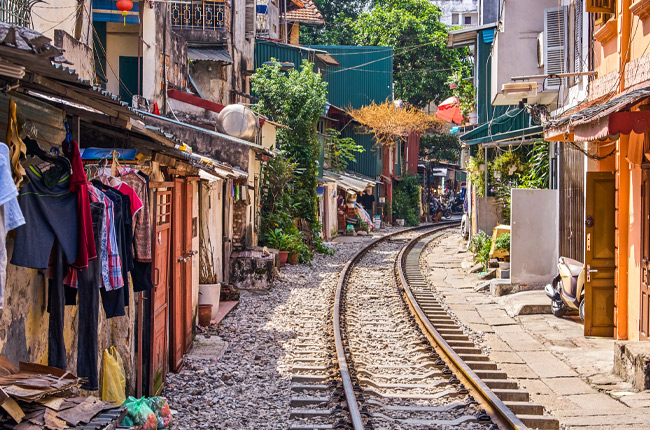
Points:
(279, 240)
(422, 62)
(480, 245)
(406, 200)
(340, 151)
(502, 243)
(538, 166)
(464, 89)
(335, 31)
(296, 99)
(476, 168)
(440, 146)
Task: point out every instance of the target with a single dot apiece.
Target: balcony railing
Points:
(201, 15)
(17, 12)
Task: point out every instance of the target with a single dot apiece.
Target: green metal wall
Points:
(265, 50)
(365, 75)
(369, 162)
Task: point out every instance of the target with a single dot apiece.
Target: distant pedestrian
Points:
(367, 200)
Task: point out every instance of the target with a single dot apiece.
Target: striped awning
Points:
(107, 11)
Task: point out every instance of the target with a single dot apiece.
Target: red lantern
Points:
(125, 6)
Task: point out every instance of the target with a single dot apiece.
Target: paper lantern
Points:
(125, 6)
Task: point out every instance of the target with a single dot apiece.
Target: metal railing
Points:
(17, 12)
(201, 15)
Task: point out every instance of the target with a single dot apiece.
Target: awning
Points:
(328, 60)
(349, 183)
(467, 36)
(218, 54)
(601, 120)
(508, 126)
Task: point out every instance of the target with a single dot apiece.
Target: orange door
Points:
(160, 295)
(644, 311)
(599, 254)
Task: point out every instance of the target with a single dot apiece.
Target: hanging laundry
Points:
(10, 214)
(142, 231)
(79, 186)
(49, 213)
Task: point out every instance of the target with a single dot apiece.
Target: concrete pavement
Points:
(567, 373)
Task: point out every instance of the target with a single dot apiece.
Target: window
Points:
(454, 18)
(468, 20)
(601, 6)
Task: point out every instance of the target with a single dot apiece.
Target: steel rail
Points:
(346, 379)
(503, 412)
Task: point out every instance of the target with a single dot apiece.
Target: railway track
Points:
(382, 364)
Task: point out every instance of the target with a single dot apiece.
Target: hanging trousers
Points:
(56, 307)
(88, 290)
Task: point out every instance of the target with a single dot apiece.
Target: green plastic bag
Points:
(113, 377)
(139, 414)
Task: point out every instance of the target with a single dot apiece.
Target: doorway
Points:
(129, 78)
(599, 254)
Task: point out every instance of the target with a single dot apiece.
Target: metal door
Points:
(160, 296)
(599, 254)
(227, 229)
(188, 234)
(644, 305)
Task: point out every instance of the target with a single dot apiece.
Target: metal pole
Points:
(286, 28)
(485, 194)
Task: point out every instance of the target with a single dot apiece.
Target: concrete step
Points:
(501, 383)
(525, 408)
(514, 395)
(541, 422)
(481, 365)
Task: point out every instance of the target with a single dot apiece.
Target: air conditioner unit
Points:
(540, 50)
(520, 90)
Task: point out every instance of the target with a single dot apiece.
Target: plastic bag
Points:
(113, 377)
(139, 414)
(160, 407)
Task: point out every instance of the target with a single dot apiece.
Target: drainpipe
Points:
(623, 189)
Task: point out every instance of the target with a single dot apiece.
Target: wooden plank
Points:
(84, 412)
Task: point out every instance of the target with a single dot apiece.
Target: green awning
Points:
(511, 125)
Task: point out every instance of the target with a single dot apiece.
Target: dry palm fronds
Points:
(388, 122)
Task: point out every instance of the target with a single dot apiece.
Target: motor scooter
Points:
(567, 290)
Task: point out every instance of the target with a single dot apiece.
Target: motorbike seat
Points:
(574, 266)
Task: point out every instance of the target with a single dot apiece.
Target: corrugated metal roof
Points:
(218, 54)
(368, 162)
(265, 50)
(365, 75)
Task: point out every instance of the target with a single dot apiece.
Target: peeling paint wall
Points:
(24, 324)
(211, 224)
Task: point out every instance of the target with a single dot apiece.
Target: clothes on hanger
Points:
(10, 214)
(79, 186)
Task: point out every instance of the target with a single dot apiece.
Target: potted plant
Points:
(209, 286)
(295, 246)
(281, 241)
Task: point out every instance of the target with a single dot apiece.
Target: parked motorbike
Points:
(567, 290)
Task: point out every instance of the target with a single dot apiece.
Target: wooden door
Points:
(599, 254)
(181, 257)
(644, 305)
(158, 366)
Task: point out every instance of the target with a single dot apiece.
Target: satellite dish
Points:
(238, 121)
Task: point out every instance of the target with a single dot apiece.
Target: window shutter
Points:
(250, 17)
(602, 6)
(555, 58)
(577, 37)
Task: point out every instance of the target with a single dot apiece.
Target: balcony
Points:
(17, 12)
(201, 21)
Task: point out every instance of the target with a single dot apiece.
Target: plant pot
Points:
(205, 315)
(399, 222)
(210, 294)
(284, 255)
(293, 258)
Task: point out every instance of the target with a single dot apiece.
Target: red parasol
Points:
(449, 111)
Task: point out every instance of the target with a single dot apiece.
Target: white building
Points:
(459, 12)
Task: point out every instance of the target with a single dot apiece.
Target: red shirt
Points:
(79, 186)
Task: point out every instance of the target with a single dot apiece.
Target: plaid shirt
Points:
(111, 263)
